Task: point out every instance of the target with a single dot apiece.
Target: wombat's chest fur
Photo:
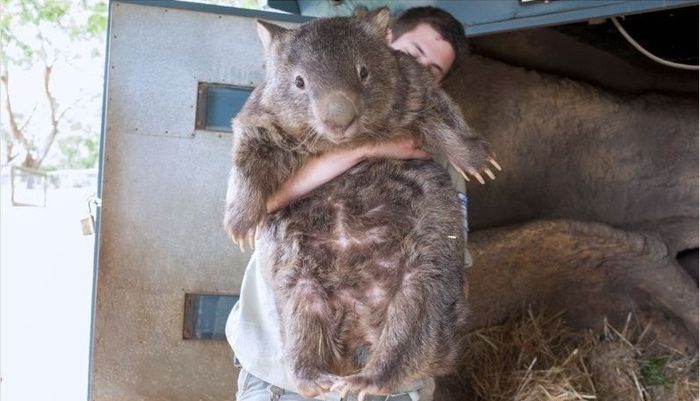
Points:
(370, 265)
(356, 225)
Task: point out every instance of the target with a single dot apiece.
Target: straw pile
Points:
(538, 358)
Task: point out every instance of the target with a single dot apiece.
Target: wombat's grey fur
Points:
(370, 263)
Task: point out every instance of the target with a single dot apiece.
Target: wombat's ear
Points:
(269, 33)
(377, 21)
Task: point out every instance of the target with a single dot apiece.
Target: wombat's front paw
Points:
(241, 233)
(245, 239)
(359, 384)
(479, 159)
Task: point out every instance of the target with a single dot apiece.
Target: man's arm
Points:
(326, 167)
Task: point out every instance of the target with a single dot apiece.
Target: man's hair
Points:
(441, 21)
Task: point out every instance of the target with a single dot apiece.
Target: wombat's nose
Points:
(338, 111)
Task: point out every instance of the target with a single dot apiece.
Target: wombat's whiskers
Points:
(313, 136)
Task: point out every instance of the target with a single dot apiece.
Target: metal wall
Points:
(163, 194)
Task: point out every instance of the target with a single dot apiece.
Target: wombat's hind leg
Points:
(417, 340)
(312, 388)
(311, 342)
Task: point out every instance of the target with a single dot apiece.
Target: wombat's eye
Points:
(363, 73)
(299, 82)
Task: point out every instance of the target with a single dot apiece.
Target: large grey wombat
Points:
(367, 269)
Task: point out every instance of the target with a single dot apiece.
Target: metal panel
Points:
(208, 53)
(163, 191)
(490, 16)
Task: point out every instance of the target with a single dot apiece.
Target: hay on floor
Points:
(536, 357)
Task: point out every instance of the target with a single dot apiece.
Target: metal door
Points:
(163, 184)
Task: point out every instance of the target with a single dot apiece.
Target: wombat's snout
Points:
(338, 112)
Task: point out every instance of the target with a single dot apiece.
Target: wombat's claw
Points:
(362, 395)
(245, 240)
(477, 176)
(341, 388)
(235, 239)
(353, 383)
(320, 385)
(309, 389)
(462, 172)
(251, 239)
(495, 164)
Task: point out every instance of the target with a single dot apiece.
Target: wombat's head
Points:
(332, 77)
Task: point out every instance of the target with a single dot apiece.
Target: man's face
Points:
(427, 47)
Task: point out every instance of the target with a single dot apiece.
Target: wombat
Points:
(367, 269)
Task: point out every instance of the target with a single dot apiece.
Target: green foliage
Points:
(652, 372)
(37, 11)
(97, 21)
(249, 4)
(19, 14)
(38, 15)
(77, 152)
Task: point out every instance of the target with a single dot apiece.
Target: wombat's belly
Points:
(353, 241)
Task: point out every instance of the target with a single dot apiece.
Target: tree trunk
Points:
(16, 133)
(33, 157)
(55, 119)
